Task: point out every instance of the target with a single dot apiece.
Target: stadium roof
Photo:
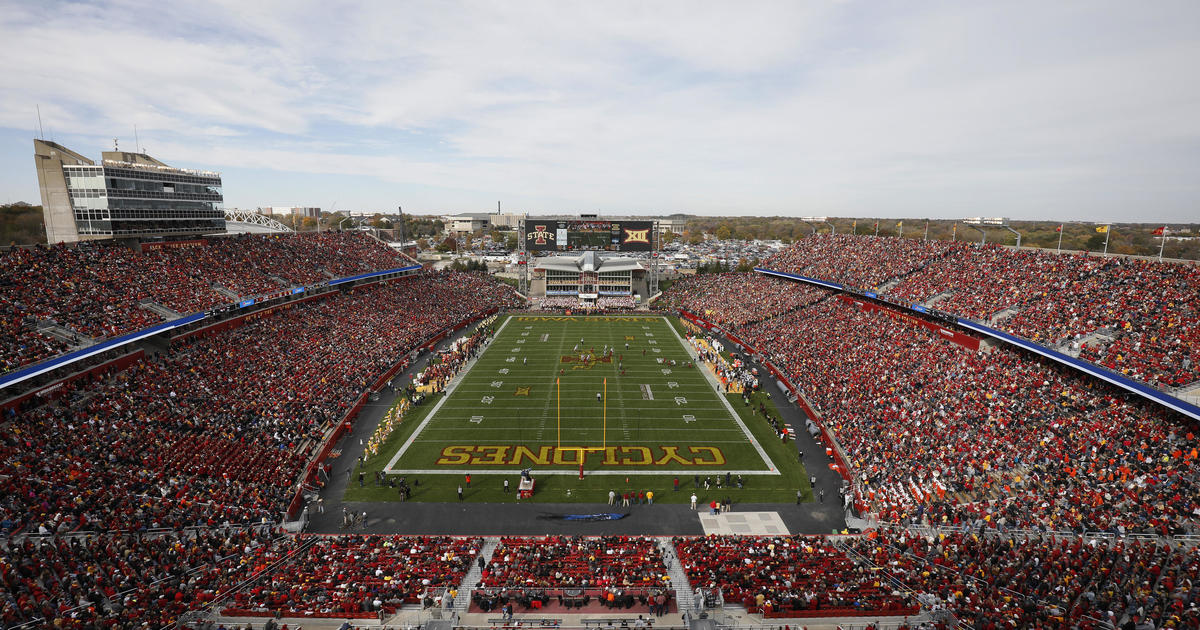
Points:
(588, 261)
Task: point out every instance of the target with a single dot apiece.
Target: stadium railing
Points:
(116, 363)
(1153, 394)
(833, 447)
(309, 474)
(55, 363)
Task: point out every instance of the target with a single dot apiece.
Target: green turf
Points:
(490, 427)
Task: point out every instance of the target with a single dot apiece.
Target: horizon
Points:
(1063, 112)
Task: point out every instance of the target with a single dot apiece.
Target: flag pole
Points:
(604, 425)
(558, 386)
(1060, 231)
(1162, 242)
(1107, 235)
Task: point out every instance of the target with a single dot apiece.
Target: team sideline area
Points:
(339, 455)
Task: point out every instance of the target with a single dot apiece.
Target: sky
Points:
(1030, 110)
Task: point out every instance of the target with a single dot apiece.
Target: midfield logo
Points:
(584, 363)
(540, 235)
(637, 236)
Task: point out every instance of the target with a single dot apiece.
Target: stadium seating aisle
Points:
(95, 289)
(1153, 308)
(210, 432)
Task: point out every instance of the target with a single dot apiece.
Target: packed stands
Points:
(941, 433)
(95, 290)
(558, 561)
(355, 576)
(790, 576)
(1152, 308)
(217, 430)
(616, 303)
(1037, 582)
(865, 262)
(122, 581)
(984, 579)
(21, 344)
(555, 302)
(737, 299)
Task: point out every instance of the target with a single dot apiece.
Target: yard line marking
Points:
(552, 471)
(725, 401)
(433, 412)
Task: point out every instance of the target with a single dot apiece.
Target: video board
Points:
(588, 234)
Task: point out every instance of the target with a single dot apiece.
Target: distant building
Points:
(284, 211)
(588, 276)
(674, 225)
(471, 222)
(126, 195)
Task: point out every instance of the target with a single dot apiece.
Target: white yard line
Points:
(712, 380)
(628, 472)
(462, 471)
(449, 390)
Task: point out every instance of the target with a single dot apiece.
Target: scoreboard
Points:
(588, 234)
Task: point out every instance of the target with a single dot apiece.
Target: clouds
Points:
(780, 108)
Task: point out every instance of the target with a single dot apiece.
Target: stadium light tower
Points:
(983, 223)
(814, 221)
(1105, 229)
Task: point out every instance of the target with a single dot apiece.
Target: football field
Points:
(619, 396)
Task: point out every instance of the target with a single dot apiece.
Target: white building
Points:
(125, 195)
(588, 277)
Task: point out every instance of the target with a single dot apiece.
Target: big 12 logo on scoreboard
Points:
(637, 236)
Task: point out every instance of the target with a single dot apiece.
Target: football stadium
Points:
(679, 410)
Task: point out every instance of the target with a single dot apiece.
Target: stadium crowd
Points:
(122, 580)
(991, 581)
(789, 575)
(941, 433)
(558, 561)
(737, 299)
(986, 580)
(217, 429)
(96, 290)
(355, 576)
(1152, 308)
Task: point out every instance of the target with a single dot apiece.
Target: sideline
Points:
(466, 369)
(712, 380)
